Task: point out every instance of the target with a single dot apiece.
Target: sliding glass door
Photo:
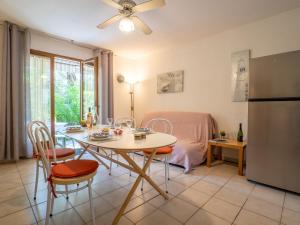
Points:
(62, 88)
(67, 92)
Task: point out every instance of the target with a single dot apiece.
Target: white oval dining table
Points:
(124, 145)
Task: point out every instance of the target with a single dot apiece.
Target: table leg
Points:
(241, 161)
(142, 174)
(86, 149)
(219, 153)
(208, 163)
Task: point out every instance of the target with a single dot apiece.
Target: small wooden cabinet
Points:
(232, 144)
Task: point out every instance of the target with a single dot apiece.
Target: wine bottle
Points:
(89, 119)
(240, 135)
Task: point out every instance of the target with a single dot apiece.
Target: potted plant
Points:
(222, 134)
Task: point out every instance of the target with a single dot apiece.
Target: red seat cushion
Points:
(74, 168)
(61, 152)
(160, 151)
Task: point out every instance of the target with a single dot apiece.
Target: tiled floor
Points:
(206, 196)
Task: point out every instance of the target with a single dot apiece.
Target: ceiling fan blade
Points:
(110, 21)
(141, 25)
(113, 4)
(149, 5)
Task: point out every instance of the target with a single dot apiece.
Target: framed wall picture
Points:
(240, 75)
(171, 82)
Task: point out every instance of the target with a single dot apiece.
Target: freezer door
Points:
(273, 151)
(275, 76)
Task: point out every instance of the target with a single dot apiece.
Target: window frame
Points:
(52, 57)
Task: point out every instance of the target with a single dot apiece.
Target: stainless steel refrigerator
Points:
(273, 151)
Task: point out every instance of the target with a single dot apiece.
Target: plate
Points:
(219, 140)
(74, 130)
(91, 138)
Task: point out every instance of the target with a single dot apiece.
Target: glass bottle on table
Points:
(89, 119)
(240, 135)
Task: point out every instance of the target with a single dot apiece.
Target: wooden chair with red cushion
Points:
(164, 126)
(64, 173)
(62, 154)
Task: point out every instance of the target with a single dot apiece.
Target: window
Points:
(62, 88)
(40, 88)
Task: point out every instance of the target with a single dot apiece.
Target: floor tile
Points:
(124, 179)
(240, 184)
(117, 197)
(12, 193)
(159, 200)
(147, 187)
(174, 188)
(100, 207)
(249, 218)
(30, 187)
(205, 187)
(108, 218)
(218, 190)
(218, 179)
(194, 197)
(104, 187)
(134, 203)
(158, 217)
(9, 184)
(268, 194)
(179, 209)
(13, 205)
(68, 217)
(205, 218)
(187, 179)
(222, 209)
(140, 212)
(290, 217)
(60, 205)
(292, 201)
(264, 208)
(232, 196)
(80, 197)
(24, 217)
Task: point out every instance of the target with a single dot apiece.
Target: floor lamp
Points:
(132, 101)
(121, 79)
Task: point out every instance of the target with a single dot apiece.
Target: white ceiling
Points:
(180, 21)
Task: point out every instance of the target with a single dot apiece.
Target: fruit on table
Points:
(83, 123)
(105, 130)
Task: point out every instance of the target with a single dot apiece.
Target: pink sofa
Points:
(193, 130)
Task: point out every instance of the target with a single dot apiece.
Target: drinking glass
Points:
(97, 120)
(129, 123)
(110, 121)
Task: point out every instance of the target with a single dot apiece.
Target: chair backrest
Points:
(123, 121)
(31, 127)
(160, 125)
(44, 144)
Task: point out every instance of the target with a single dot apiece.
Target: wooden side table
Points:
(232, 144)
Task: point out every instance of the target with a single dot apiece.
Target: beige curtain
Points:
(14, 111)
(105, 84)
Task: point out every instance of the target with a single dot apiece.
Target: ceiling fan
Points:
(127, 9)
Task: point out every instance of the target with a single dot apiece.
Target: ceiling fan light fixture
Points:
(126, 25)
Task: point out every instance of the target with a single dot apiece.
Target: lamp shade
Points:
(126, 25)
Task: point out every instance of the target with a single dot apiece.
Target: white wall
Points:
(207, 67)
(126, 67)
(61, 47)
